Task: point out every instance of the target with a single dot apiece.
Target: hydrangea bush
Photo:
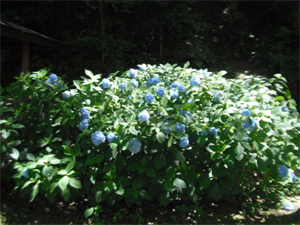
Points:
(160, 132)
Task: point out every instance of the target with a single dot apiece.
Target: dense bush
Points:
(158, 133)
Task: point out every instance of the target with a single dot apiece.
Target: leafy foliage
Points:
(120, 155)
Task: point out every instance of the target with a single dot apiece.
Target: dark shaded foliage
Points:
(106, 36)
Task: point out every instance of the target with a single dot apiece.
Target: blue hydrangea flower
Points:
(149, 82)
(195, 81)
(184, 142)
(288, 206)
(249, 125)
(283, 171)
(213, 131)
(167, 131)
(246, 113)
(144, 115)
(284, 109)
(110, 136)
(25, 173)
(65, 95)
(203, 72)
(204, 132)
(83, 124)
(98, 138)
(216, 98)
(149, 98)
(175, 85)
(134, 145)
(53, 78)
(183, 112)
(181, 88)
(180, 127)
(156, 80)
(264, 107)
(142, 67)
(132, 72)
(294, 178)
(122, 86)
(105, 83)
(190, 101)
(135, 83)
(174, 94)
(84, 113)
(129, 97)
(160, 91)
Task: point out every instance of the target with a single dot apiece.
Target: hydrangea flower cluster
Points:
(84, 115)
(249, 124)
(181, 88)
(52, 78)
(132, 72)
(195, 81)
(180, 127)
(167, 131)
(25, 173)
(184, 142)
(149, 98)
(135, 84)
(174, 94)
(156, 80)
(98, 138)
(213, 131)
(246, 112)
(284, 109)
(283, 171)
(216, 98)
(190, 101)
(122, 86)
(174, 85)
(83, 124)
(160, 91)
(105, 83)
(110, 136)
(288, 206)
(149, 82)
(66, 94)
(144, 115)
(134, 145)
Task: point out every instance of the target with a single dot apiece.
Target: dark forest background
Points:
(108, 36)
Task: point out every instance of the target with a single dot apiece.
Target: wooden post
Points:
(25, 56)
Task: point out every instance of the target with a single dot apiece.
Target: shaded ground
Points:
(17, 210)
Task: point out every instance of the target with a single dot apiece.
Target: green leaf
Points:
(5, 133)
(160, 136)
(216, 192)
(48, 171)
(186, 65)
(63, 182)
(179, 184)
(3, 121)
(280, 98)
(201, 140)
(89, 73)
(70, 165)
(88, 212)
(35, 191)
(135, 193)
(75, 183)
(256, 145)
(205, 183)
(133, 131)
(262, 163)
(66, 194)
(138, 182)
(54, 161)
(150, 172)
(168, 185)
(98, 196)
(170, 173)
(30, 157)
(17, 126)
(178, 155)
(222, 73)
(14, 154)
(131, 118)
(239, 152)
(164, 198)
(170, 142)
(159, 161)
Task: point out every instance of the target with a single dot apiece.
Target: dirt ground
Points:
(17, 210)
